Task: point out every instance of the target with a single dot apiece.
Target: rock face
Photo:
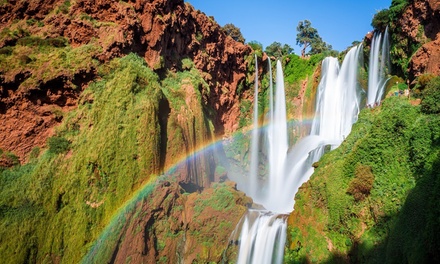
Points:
(162, 31)
(420, 23)
(178, 227)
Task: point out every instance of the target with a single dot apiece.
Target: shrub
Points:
(37, 41)
(381, 20)
(8, 159)
(58, 145)
(297, 68)
(64, 7)
(6, 50)
(35, 152)
(423, 80)
(255, 45)
(431, 97)
(360, 186)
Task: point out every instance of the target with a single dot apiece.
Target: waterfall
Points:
(278, 144)
(253, 192)
(262, 238)
(263, 233)
(378, 67)
(338, 97)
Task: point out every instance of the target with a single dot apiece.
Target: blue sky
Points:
(339, 23)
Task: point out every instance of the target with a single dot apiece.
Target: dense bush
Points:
(431, 97)
(361, 185)
(277, 50)
(58, 145)
(396, 8)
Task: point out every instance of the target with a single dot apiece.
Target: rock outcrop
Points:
(178, 227)
(162, 31)
(420, 23)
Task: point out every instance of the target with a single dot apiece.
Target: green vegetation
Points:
(222, 199)
(45, 60)
(375, 198)
(298, 69)
(431, 97)
(308, 37)
(277, 50)
(234, 32)
(257, 47)
(361, 185)
(8, 158)
(58, 145)
(401, 49)
(381, 20)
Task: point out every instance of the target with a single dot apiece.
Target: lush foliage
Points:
(308, 36)
(401, 47)
(258, 50)
(368, 199)
(278, 50)
(431, 97)
(45, 60)
(58, 145)
(234, 32)
(297, 69)
(381, 20)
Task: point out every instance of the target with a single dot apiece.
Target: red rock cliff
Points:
(162, 31)
(420, 23)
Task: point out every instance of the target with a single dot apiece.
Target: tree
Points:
(255, 45)
(319, 46)
(234, 32)
(306, 35)
(277, 50)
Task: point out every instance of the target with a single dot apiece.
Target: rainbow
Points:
(105, 242)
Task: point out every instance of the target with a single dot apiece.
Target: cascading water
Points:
(378, 66)
(253, 192)
(263, 233)
(337, 104)
(262, 239)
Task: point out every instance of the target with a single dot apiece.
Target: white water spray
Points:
(378, 67)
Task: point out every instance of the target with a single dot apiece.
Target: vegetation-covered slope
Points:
(375, 198)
